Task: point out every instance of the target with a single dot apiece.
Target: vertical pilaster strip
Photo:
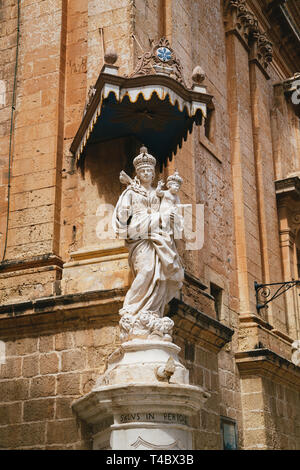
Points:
(60, 129)
(232, 44)
(75, 96)
(259, 172)
(168, 15)
(277, 118)
(8, 127)
(133, 47)
(266, 200)
(179, 17)
(242, 29)
(162, 17)
(34, 227)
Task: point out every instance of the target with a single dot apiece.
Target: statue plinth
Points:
(143, 401)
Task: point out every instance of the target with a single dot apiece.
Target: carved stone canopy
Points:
(153, 105)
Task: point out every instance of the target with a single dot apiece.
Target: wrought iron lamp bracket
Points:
(263, 290)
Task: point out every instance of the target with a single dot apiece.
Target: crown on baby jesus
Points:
(144, 159)
(175, 178)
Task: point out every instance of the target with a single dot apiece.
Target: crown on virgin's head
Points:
(144, 159)
(176, 178)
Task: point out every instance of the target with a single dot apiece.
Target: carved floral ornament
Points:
(161, 59)
(240, 19)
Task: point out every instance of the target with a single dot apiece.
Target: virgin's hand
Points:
(124, 215)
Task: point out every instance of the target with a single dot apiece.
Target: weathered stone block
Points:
(21, 347)
(68, 384)
(30, 366)
(62, 432)
(10, 413)
(39, 410)
(46, 343)
(73, 360)
(11, 369)
(64, 341)
(22, 435)
(43, 386)
(63, 408)
(49, 363)
(14, 390)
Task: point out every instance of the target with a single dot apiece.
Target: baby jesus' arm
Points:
(159, 190)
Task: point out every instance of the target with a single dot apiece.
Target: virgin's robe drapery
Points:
(153, 256)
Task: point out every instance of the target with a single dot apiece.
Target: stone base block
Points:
(143, 401)
(143, 361)
(142, 416)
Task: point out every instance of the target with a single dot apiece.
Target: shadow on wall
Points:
(103, 164)
(100, 183)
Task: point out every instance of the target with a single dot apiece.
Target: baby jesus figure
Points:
(170, 203)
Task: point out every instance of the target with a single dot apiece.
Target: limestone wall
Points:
(42, 376)
(52, 243)
(270, 414)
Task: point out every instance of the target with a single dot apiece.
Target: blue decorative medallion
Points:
(164, 54)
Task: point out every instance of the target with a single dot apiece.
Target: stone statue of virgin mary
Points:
(153, 256)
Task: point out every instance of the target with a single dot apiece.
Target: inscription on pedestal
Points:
(170, 418)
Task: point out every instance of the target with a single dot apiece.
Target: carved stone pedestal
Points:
(143, 401)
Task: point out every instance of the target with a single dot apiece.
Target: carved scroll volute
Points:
(287, 230)
(294, 221)
(231, 10)
(240, 19)
(289, 223)
(264, 50)
(261, 49)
